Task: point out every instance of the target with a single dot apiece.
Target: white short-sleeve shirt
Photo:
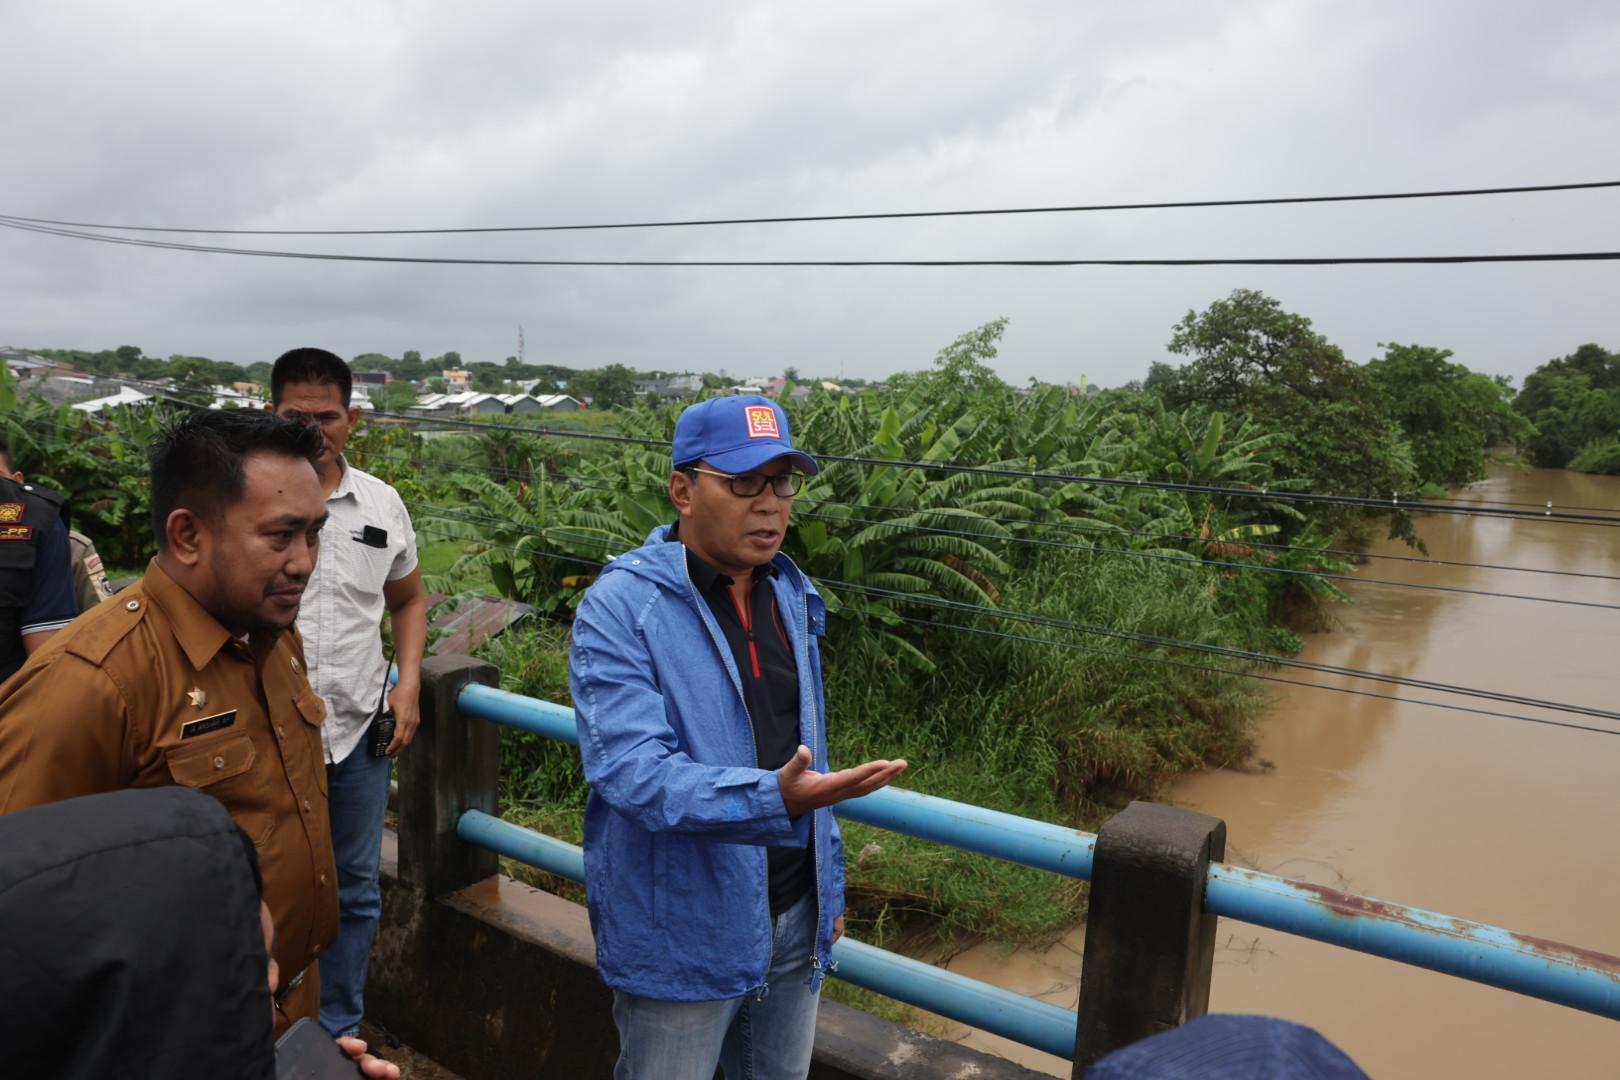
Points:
(368, 541)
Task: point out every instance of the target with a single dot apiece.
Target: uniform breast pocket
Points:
(313, 710)
(224, 769)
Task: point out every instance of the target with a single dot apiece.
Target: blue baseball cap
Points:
(737, 435)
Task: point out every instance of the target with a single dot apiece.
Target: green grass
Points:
(437, 556)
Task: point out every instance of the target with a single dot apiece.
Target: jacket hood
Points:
(130, 942)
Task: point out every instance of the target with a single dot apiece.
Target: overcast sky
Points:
(367, 114)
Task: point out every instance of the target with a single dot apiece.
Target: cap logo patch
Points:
(761, 422)
(11, 511)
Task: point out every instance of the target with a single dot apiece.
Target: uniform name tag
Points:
(16, 532)
(192, 728)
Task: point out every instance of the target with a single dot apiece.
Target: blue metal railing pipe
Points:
(973, 828)
(525, 845)
(978, 1004)
(1578, 978)
(1570, 976)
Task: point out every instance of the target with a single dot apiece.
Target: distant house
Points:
(433, 405)
(741, 389)
(457, 379)
(63, 389)
(480, 404)
(679, 387)
(372, 378)
(127, 395)
(519, 404)
(25, 365)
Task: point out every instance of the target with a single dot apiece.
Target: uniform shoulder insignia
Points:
(45, 494)
(98, 631)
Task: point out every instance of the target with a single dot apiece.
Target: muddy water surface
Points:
(1501, 821)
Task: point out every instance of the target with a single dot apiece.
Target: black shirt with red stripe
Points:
(770, 682)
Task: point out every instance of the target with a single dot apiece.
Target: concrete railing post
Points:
(1149, 944)
(451, 767)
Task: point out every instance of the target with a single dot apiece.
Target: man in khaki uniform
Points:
(195, 674)
(90, 582)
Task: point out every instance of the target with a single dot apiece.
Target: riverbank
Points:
(1485, 818)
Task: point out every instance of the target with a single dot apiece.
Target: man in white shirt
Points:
(367, 565)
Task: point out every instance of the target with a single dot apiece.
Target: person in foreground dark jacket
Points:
(131, 942)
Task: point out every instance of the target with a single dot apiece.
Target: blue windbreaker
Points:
(679, 813)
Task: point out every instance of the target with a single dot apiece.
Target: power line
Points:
(576, 479)
(1395, 503)
(1192, 560)
(1392, 504)
(1247, 655)
(437, 260)
(1172, 643)
(1174, 662)
(883, 216)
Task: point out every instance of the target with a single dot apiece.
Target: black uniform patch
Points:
(16, 532)
(193, 728)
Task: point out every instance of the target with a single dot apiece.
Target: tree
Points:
(606, 387)
(194, 377)
(1160, 376)
(395, 396)
(1573, 401)
(1449, 414)
(1251, 356)
(128, 355)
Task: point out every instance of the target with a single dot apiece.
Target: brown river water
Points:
(1500, 821)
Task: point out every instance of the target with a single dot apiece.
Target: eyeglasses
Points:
(748, 485)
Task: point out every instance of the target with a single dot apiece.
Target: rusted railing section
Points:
(1579, 978)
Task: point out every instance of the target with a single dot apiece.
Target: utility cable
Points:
(1394, 504)
(1147, 658)
(1188, 664)
(1192, 560)
(1186, 204)
(1246, 655)
(438, 260)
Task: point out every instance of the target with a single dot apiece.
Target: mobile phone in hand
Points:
(307, 1052)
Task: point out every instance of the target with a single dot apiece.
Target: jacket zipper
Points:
(745, 615)
(815, 719)
(753, 736)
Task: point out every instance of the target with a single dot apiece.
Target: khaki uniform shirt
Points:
(90, 582)
(150, 689)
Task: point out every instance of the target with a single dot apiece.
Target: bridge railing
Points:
(1157, 888)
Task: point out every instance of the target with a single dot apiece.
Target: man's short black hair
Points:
(310, 366)
(197, 462)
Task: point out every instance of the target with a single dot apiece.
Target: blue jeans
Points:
(767, 1036)
(357, 797)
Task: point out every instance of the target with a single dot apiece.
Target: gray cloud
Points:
(371, 114)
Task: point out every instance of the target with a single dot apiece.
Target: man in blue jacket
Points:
(713, 865)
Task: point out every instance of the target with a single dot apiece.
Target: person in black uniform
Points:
(36, 569)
